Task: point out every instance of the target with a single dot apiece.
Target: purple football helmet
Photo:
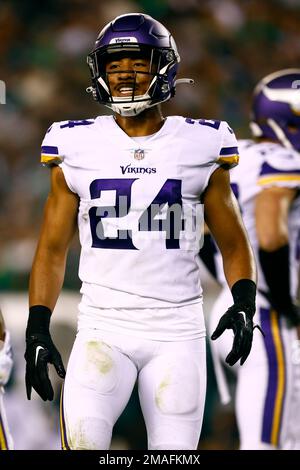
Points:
(276, 108)
(129, 34)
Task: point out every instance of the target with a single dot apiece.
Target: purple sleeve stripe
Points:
(267, 169)
(229, 151)
(49, 150)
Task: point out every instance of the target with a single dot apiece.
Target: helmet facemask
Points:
(163, 65)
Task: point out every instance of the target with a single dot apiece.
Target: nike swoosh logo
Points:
(37, 353)
(244, 317)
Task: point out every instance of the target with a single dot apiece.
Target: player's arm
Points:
(223, 218)
(46, 280)
(58, 228)
(272, 207)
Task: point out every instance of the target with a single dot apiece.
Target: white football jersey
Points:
(264, 165)
(139, 205)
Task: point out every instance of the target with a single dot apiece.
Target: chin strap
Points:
(188, 81)
(133, 112)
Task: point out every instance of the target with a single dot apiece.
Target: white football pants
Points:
(101, 374)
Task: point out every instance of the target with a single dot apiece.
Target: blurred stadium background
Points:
(225, 46)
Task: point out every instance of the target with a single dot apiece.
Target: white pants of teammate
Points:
(267, 400)
(101, 374)
(6, 441)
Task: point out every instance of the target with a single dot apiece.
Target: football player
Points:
(134, 183)
(6, 363)
(266, 184)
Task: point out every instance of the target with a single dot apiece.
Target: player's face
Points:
(127, 74)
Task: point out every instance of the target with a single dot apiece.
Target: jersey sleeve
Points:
(280, 168)
(55, 151)
(52, 152)
(228, 154)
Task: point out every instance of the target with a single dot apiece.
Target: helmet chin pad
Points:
(131, 107)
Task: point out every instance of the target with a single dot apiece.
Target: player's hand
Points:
(40, 350)
(6, 359)
(239, 319)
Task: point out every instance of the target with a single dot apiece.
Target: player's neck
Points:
(146, 123)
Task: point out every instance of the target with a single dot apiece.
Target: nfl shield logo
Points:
(139, 154)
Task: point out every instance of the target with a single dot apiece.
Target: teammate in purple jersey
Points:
(266, 184)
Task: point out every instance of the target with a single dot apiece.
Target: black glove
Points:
(40, 350)
(239, 318)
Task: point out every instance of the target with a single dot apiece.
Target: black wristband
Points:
(244, 291)
(275, 268)
(38, 320)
